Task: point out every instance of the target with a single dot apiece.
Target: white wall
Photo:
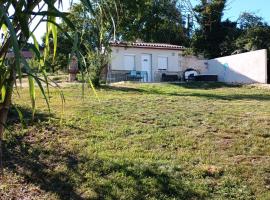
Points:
(248, 67)
(118, 53)
(194, 63)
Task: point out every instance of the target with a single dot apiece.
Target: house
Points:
(145, 61)
(154, 62)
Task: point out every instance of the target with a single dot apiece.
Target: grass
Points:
(143, 141)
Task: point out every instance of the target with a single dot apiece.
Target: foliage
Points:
(210, 35)
(215, 38)
(15, 19)
(230, 33)
(255, 33)
(152, 21)
(96, 26)
(248, 20)
(64, 48)
(254, 38)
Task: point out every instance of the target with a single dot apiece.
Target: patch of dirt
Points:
(14, 188)
(225, 142)
(251, 159)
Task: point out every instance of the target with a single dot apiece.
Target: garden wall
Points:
(244, 68)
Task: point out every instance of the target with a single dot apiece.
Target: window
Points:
(129, 62)
(162, 62)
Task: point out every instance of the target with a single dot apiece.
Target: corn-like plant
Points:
(97, 21)
(16, 18)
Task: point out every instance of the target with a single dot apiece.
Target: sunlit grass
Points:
(148, 141)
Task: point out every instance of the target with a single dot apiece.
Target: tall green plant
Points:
(16, 17)
(96, 22)
(17, 30)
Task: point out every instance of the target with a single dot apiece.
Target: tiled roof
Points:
(25, 54)
(147, 45)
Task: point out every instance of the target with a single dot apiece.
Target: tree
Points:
(210, 35)
(60, 61)
(151, 21)
(230, 33)
(248, 20)
(95, 26)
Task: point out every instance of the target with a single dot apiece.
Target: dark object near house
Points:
(189, 74)
(169, 78)
(213, 78)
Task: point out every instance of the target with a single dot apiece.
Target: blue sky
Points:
(236, 7)
(233, 10)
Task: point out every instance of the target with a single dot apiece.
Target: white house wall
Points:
(247, 68)
(194, 62)
(118, 53)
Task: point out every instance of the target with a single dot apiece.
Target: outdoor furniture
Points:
(134, 76)
(169, 77)
(213, 78)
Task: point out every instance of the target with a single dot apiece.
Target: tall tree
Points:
(152, 21)
(209, 35)
(95, 25)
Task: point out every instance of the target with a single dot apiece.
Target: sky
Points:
(233, 10)
(236, 7)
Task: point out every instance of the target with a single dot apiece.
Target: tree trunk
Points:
(4, 108)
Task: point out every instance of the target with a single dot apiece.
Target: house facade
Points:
(151, 60)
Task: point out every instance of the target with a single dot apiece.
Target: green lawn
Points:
(142, 141)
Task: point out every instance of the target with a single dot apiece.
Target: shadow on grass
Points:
(205, 85)
(189, 93)
(46, 162)
(13, 115)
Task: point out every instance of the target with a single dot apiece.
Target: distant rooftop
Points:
(25, 54)
(147, 45)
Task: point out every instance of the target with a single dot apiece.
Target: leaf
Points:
(47, 45)
(63, 105)
(14, 41)
(35, 41)
(3, 94)
(46, 81)
(37, 80)
(4, 30)
(54, 33)
(19, 114)
(32, 94)
(35, 51)
(93, 88)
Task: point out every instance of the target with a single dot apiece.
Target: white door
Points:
(146, 66)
